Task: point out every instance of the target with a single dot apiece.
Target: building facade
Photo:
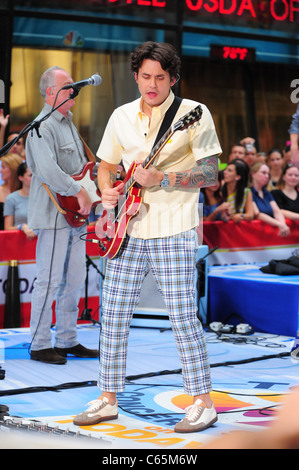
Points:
(239, 57)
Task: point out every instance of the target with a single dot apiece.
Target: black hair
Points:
(162, 52)
(242, 170)
(22, 168)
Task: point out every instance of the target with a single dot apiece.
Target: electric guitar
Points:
(111, 227)
(70, 205)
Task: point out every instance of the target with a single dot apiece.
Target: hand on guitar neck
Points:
(148, 177)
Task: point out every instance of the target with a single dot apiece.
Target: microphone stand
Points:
(86, 314)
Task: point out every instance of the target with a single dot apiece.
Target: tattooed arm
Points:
(107, 176)
(204, 174)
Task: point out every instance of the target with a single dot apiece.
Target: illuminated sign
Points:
(275, 10)
(232, 53)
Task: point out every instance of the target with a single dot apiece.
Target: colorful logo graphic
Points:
(74, 39)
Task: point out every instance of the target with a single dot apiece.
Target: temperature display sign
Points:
(232, 53)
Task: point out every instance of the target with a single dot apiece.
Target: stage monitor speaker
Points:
(151, 310)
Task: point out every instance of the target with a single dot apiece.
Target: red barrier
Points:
(249, 242)
(15, 245)
(247, 234)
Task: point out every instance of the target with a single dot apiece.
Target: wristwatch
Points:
(165, 181)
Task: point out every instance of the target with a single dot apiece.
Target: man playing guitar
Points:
(161, 236)
(54, 154)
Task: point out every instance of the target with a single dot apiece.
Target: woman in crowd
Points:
(235, 191)
(8, 170)
(265, 207)
(287, 195)
(276, 162)
(213, 204)
(16, 204)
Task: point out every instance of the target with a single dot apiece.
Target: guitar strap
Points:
(168, 118)
(88, 152)
(53, 199)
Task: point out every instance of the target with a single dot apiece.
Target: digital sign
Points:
(275, 10)
(233, 53)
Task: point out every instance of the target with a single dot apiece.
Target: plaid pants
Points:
(172, 263)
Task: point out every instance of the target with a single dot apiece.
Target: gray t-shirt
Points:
(17, 205)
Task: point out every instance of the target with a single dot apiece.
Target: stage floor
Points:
(250, 375)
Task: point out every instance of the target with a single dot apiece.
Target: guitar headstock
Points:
(190, 118)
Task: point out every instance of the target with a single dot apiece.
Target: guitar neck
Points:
(151, 157)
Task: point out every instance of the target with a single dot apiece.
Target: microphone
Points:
(94, 80)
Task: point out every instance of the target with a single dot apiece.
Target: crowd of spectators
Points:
(15, 179)
(255, 185)
(251, 185)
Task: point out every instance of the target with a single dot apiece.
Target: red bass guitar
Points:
(69, 204)
(111, 227)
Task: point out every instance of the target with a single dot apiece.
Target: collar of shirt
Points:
(57, 114)
(158, 112)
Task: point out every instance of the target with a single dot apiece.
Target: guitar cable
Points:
(47, 293)
(83, 220)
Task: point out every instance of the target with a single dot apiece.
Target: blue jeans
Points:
(61, 272)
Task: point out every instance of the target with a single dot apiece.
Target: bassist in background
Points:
(161, 237)
(60, 254)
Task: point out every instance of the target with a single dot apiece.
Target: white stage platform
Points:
(250, 376)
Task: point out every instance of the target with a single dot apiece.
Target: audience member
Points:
(16, 204)
(236, 192)
(261, 157)
(237, 151)
(19, 146)
(265, 207)
(8, 171)
(294, 138)
(213, 204)
(247, 141)
(275, 162)
(250, 155)
(287, 195)
(3, 125)
(250, 150)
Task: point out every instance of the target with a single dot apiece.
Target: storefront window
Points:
(273, 104)
(220, 86)
(93, 104)
(83, 49)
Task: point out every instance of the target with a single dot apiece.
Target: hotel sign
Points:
(277, 10)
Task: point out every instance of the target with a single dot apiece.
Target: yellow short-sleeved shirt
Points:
(129, 137)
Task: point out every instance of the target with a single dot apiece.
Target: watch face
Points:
(165, 180)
